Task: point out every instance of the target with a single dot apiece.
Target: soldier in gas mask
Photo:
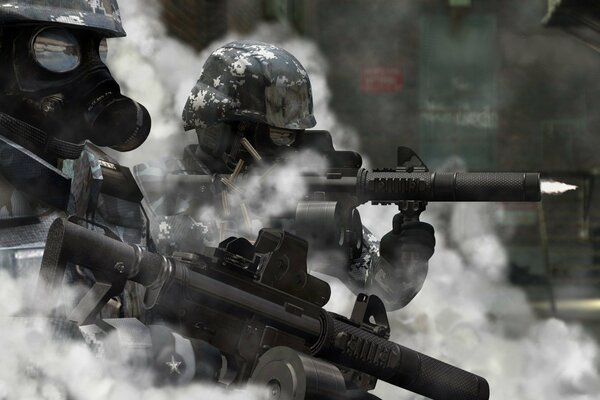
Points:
(58, 101)
(251, 106)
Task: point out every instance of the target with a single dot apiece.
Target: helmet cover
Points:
(251, 81)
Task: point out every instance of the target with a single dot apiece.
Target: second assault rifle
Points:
(327, 212)
(260, 308)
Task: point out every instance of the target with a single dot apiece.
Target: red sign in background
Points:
(381, 79)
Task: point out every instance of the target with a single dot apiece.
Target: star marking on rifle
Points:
(174, 365)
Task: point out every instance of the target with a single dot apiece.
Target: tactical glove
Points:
(412, 240)
(403, 264)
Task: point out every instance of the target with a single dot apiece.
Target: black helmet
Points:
(100, 15)
(251, 81)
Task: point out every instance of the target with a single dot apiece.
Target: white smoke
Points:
(276, 190)
(466, 314)
(37, 366)
(469, 315)
(554, 187)
(269, 191)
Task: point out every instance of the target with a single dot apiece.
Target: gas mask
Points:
(61, 85)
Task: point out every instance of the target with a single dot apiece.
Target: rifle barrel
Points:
(390, 186)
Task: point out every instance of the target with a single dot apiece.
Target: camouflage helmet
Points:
(251, 81)
(100, 15)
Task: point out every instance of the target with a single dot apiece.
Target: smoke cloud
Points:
(36, 364)
(469, 315)
(269, 191)
(276, 190)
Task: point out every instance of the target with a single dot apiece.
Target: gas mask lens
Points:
(56, 50)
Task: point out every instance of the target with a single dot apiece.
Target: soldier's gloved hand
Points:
(408, 240)
(405, 252)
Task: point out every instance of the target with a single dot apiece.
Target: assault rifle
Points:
(327, 214)
(261, 309)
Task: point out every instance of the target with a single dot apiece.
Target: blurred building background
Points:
(504, 84)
